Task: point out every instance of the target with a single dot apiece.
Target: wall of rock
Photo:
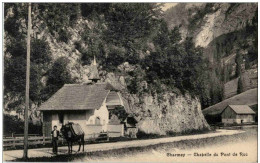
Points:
(172, 114)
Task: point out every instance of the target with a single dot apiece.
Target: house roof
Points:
(241, 109)
(78, 97)
(114, 99)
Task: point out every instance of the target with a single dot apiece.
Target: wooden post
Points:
(107, 135)
(25, 153)
(43, 139)
(13, 143)
(43, 133)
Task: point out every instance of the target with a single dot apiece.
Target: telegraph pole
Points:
(25, 152)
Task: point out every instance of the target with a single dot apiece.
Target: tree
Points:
(239, 61)
(115, 57)
(58, 75)
(240, 87)
(175, 35)
(15, 66)
(127, 22)
(162, 38)
(92, 10)
(58, 16)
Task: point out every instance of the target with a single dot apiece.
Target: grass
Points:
(131, 152)
(231, 88)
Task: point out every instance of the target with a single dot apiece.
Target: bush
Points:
(142, 135)
(78, 46)
(64, 36)
(14, 125)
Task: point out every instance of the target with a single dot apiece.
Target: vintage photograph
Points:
(130, 82)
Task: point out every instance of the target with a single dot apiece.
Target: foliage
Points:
(142, 135)
(175, 64)
(64, 36)
(240, 88)
(93, 37)
(120, 112)
(135, 85)
(125, 26)
(59, 16)
(58, 75)
(15, 68)
(239, 61)
(16, 126)
(91, 10)
(161, 39)
(117, 27)
(175, 35)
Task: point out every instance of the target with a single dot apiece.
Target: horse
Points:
(69, 134)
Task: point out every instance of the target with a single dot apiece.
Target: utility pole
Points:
(25, 152)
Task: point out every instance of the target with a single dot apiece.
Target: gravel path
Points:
(47, 152)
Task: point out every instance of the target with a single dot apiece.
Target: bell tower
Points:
(94, 76)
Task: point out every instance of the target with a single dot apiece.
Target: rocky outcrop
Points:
(219, 19)
(225, 20)
(175, 114)
(169, 113)
(66, 49)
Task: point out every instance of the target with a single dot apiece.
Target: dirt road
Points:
(47, 152)
(234, 148)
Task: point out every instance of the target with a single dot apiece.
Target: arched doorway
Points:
(97, 121)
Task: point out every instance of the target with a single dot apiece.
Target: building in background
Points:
(237, 114)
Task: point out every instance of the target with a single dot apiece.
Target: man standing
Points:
(54, 134)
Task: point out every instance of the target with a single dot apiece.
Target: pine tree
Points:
(240, 87)
(238, 61)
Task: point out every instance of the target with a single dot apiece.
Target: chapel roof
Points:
(78, 97)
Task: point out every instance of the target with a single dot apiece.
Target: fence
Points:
(10, 136)
(19, 141)
(34, 140)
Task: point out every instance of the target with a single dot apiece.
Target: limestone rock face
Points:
(219, 19)
(173, 113)
(222, 22)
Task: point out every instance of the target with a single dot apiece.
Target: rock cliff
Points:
(172, 113)
(209, 20)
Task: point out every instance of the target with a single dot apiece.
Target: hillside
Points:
(221, 28)
(248, 97)
(205, 22)
(228, 34)
(249, 78)
(135, 52)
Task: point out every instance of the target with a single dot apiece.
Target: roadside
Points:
(47, 152)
